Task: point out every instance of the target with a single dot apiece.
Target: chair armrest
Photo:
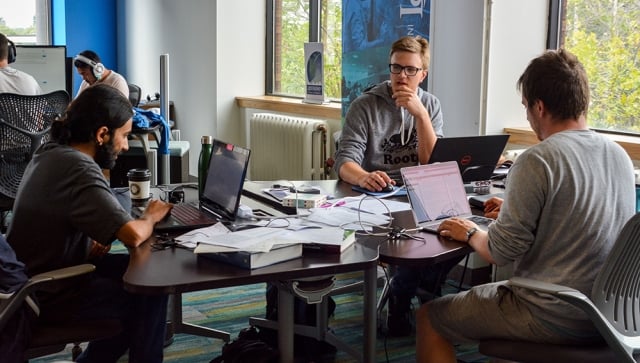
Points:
(540, 286)
(611, 335)
(12, 303)
(63, 273)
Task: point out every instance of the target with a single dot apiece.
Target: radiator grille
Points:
(287, 148)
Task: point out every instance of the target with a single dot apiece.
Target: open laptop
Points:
(220, 199)
(436, 192)
(476, 156)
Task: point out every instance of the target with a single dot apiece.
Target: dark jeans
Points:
(102, 296)
(406, 280)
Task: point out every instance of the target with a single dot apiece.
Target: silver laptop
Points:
(436, 192)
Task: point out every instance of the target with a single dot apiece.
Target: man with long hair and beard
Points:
(65, 214)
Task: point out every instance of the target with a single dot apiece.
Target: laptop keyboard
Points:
(189, 214)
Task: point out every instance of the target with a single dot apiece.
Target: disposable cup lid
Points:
(139, 174)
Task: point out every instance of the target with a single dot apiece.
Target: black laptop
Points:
(220, 199)
(476, 156)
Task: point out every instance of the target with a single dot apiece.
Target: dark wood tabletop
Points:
(432, 249)
(177, 270)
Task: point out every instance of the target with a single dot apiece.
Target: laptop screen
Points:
(476, 156)
(435, 191)
(225, 178)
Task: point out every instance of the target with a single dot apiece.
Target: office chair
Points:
(24, 125)
(135, 93)
(614, 308)
(49, 338)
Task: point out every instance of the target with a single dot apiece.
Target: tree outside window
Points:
(605, 35)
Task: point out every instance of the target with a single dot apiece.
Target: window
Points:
(25, 21)
(295, 22)
(605, 35)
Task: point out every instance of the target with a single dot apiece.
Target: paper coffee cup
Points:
(139, 186)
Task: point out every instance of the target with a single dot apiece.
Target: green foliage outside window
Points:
(605, 35)
(290, 79)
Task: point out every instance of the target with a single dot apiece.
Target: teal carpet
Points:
(228, 309)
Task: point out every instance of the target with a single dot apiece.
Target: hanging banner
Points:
(314, 73)
(369, 27)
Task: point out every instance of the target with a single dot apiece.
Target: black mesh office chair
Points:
(614, 308)
(24, 125)
(135, 93)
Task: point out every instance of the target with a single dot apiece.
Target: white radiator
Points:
(287, 148)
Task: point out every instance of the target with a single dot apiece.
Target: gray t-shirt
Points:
(371, 133)
(64, 201)
(566, 201)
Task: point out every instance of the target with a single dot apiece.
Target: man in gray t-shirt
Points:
(65, 214)
(566, 201)
(395, 124)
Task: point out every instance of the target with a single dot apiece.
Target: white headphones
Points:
(98, 68)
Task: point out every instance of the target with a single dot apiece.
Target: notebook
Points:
(477, 156)
(436, 192)
(220, 199)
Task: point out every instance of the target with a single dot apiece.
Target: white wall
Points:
(216, 52)
(479, 49)
(518, 34)
(455, 77)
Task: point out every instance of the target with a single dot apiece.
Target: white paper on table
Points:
(375, 205)
(347, 218)
(324, 235)
(259, 239)
(190, 239)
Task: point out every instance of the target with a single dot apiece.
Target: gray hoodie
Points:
(371, 133)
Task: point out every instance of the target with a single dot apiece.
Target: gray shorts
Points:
(492, 311)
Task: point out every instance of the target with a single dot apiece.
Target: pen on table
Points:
(360, 210)
(330, 204)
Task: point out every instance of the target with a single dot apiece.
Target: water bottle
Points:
(203, 162)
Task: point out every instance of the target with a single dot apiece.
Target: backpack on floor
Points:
(247, 348)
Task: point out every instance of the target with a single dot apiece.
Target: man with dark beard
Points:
(64, 206)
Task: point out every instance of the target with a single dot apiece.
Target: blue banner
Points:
(369, 27)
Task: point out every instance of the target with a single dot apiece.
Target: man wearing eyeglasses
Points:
(395, 124)
(392, 124)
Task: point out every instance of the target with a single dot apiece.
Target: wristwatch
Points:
(471, 232)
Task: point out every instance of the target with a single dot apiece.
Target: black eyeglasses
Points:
(408, 70)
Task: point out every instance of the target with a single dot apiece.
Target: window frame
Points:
(555, 40)
(270, 63)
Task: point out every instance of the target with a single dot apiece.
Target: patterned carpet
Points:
(228, 309)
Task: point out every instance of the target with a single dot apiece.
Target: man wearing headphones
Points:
(92, 70)
(13, 80)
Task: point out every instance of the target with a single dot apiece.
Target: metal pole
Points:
(164, 111)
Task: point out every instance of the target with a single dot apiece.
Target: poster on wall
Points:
(369, 27)
(314, 73)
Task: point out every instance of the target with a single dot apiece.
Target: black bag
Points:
(247, 348)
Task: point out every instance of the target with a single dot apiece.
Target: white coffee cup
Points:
(139, 186)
